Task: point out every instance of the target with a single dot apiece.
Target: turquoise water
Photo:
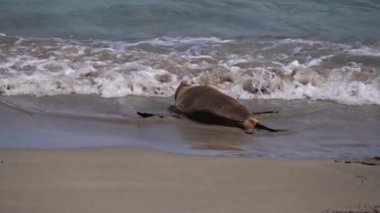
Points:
(333, 20)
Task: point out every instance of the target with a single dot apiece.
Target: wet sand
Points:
(86, 154)
(316, 129)
(140, 180)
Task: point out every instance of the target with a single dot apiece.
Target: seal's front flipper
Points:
(260, 126)
(148, 115)
(265, 112)
(173, 109)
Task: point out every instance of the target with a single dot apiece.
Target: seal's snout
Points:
(249, 125)
(250, 122)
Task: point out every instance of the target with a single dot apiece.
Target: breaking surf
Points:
(251, 68)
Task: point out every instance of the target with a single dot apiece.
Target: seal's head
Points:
(249, 124)
(181, 89)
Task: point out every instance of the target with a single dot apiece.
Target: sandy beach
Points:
(140, 180)
(74, 75)
(88, 154)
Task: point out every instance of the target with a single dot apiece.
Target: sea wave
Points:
(249, 68)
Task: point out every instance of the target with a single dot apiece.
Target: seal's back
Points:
(197, 99)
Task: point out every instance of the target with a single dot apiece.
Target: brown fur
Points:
(199, 101)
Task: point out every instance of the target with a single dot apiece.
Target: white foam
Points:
(365, 51)
(317, 61)
(110, 69)
(314, 42)
(169, 41)
(292, 66)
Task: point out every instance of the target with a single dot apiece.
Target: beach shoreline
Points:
(75, 74)
(316, 129)
(89, 154)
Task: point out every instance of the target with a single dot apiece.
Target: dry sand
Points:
(140, 180)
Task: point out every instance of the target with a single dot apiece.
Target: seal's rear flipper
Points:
(148, 115)
(265, 112)
(260, 126)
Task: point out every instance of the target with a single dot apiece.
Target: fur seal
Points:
(208, 105)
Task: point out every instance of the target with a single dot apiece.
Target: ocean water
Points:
(250, 49)
(337, 20)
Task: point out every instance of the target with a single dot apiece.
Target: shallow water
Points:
(316, 129)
